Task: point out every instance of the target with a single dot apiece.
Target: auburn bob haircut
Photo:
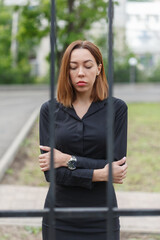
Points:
(65, 91)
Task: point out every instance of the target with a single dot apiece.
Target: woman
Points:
(80, 142)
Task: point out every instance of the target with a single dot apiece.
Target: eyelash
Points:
(76, 68)
(88, 67)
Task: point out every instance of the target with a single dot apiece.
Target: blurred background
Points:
(24, 86)
(25, 44)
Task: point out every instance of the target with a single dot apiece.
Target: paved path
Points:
(19, 108)
(23, 197)
(138, 92)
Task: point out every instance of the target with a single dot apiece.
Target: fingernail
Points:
(41, 146)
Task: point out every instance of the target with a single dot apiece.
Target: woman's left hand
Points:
(60, 159)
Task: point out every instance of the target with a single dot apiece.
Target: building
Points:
(139, 24)
(20, 2)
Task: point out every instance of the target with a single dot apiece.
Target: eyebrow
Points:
(84, 61)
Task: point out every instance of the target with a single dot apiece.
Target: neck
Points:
(83, 98)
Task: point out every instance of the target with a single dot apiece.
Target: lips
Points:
(81, 83)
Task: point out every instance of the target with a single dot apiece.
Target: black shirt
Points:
(86, 139)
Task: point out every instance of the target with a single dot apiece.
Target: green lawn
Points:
(143, 148)
(143, 153)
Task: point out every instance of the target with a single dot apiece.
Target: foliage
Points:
(73, 20)
(155, 76)
(20, 73)
(78, 19)
(33, 230)
(140, 0)
(121, 66)
(120, 60)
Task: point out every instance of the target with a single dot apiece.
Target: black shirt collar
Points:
(94, 107)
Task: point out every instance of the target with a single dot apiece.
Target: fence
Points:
(99, 212)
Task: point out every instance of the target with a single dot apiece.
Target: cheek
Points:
(93, 76)
(71, 75)
(93, 73)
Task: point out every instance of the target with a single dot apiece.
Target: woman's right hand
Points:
(60, 159)
(119, 170)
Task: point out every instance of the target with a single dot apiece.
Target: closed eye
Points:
(88, 67)
(73, 68)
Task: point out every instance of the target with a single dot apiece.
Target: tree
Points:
(155, 76)
(79, 17)
(5, 40)
(73, 17)
(9, 74)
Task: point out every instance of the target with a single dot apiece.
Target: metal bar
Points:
(79, 212)
(51, 123)
(138, 212)
(110, 117)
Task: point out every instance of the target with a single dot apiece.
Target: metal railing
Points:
(109, 212)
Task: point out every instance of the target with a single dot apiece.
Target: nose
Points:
(81, 72)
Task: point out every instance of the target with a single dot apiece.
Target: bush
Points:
(155, 76)
(15, 75)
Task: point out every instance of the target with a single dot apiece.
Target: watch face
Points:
(72, 164)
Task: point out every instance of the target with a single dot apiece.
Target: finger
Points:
(44, 169)
(41, 156)
(42, 165)
(118, 181)
(122, 161)
(125, 172)
(124, 176)
(125, 166)
(42, 160)
(45, 148)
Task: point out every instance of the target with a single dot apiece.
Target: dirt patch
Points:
(20, 233)
(25, 168)
(35, 233)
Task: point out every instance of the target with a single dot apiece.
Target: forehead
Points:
(81, 55)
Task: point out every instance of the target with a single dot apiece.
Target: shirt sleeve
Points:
(120, 133)
(44, 130)
(78, 177)
(90, 163)
(64, 176)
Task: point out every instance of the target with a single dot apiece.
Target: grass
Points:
(20, 233)
(25, 169)
(143, 153)
(143, 148)
(34, 233)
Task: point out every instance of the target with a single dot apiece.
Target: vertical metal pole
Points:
(51, 123)
(14, 46)
(110, 117)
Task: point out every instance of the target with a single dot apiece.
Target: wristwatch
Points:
(71, 164)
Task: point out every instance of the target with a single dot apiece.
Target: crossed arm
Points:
(99, 166)
(88, 170)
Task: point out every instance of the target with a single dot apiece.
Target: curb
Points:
(9, 155)
(26, 87)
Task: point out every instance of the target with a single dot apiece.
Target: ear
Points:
(99, 69)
